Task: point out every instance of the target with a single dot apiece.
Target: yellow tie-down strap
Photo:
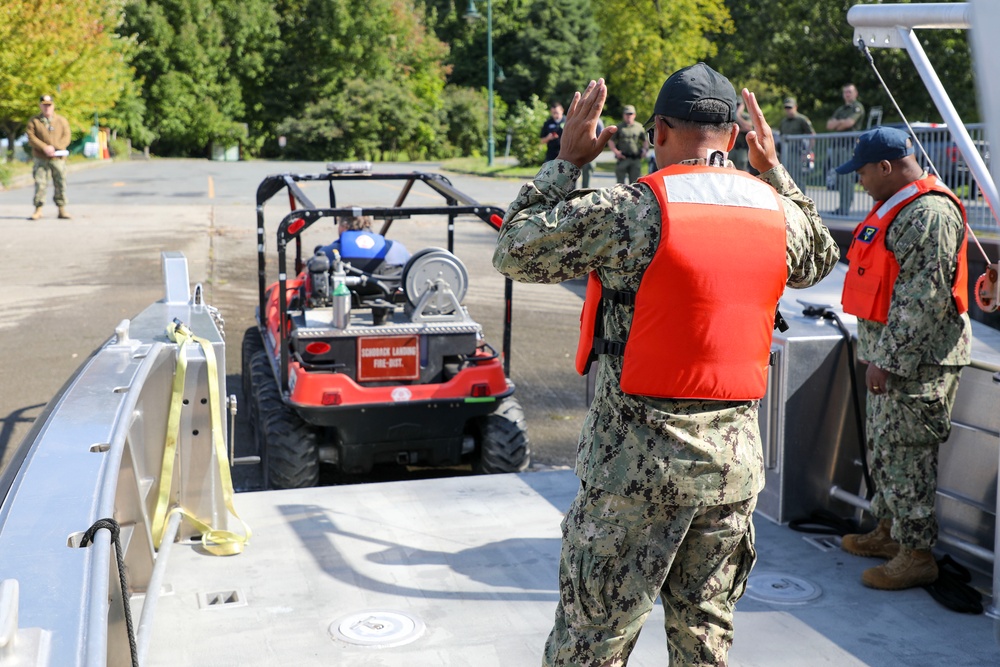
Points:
(218, 542)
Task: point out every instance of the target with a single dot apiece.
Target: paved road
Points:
(68, 283)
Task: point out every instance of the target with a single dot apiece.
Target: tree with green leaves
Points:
(643, 41)
(195, 60)
(329, 43)
(547, 48)
(805, 49)
(67, 49)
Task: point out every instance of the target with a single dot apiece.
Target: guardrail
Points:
(811, 160)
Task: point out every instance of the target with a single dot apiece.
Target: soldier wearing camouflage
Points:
(668, 486)
(915, 357)
(923, 346)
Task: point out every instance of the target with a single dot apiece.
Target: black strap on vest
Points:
(779, 322)
(620, 297)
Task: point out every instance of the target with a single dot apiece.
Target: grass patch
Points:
(10, 170)
(477, 167)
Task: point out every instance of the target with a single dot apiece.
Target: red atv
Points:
(357, 360)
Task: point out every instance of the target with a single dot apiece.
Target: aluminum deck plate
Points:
(462, 571)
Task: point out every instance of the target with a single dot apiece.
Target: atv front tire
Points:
(502, 440)
(287, 443)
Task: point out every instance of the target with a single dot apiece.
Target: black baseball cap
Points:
(685, 87)
(882, 143)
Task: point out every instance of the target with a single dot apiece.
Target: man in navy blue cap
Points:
(908, 286)
(669, 457)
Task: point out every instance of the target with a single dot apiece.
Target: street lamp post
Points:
(471, 14)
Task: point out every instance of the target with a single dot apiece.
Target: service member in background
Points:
(629, 146)
(669, 457)
(551, 131)
(846, 118)
(48, 133)
(800, 153)
(907, 284)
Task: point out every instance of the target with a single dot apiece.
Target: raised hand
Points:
(762, 153)
(578, 144)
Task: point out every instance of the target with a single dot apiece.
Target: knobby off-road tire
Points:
(287, 443)
(252, 344)
(503, 440)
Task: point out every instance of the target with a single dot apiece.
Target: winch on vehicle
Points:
(358, 361)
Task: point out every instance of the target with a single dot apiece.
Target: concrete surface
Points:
(67, 283)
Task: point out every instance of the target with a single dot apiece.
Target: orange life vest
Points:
(874, 269)
(705, 308)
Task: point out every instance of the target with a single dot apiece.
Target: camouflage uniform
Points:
(923, 346)
(43, 132)
(668, 485)
(844, 151)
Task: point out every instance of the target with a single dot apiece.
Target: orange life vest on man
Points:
(705, 308)
(874, 269)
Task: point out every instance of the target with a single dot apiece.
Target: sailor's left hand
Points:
(579, 144)
(762, 154)
(876, 379)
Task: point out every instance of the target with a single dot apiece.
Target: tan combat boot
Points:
(37, 214)
(63, 215)
(876, 544)
(910, 568)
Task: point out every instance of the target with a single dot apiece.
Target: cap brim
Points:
(850, 166)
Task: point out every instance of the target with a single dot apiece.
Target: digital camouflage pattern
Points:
(617, 555)
(668, 485)
(906, 423)
(677, 452)
(923, 345)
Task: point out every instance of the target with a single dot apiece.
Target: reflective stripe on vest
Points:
(705, 307)
(873, 267)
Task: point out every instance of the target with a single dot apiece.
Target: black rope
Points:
(952, 588)
(112, 526)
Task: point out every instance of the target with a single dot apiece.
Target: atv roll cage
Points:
(304, 213)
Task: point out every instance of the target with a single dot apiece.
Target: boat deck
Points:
(462, 571)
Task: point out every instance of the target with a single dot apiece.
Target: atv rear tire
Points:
(252, 344)
(502, 440)
(287, 444)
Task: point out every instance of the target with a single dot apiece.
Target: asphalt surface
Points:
(68, 283)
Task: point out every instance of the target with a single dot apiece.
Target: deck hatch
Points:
(377, 628)
(780, 588)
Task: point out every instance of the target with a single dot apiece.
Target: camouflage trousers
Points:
(906, 425)
(619, 554)
(41, 170)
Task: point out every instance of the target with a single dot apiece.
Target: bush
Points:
(369, 120)
(120, 148)
(525, 125)
(5, 174)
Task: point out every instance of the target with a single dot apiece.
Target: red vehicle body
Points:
(404, 378)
